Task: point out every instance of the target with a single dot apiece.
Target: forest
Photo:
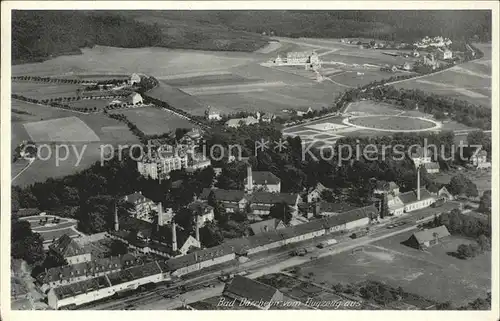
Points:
(40, 35)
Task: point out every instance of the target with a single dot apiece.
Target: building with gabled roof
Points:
(266, 226)
(264, 181)
(385, 187)
(67, 274)
(204, 213)
(70, 250)
(427, 238)
(432, 167)
(315, 194)
(252, 293)
(232, 200)
(329, 209)
(142, 207)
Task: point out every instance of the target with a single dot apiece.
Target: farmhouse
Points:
(212, 114)
(302, 112)
(252, 293)
(135, 79)
(70, 250)
(266, 226)
(427, 238)
(237, 122)
(141, 206)
(261, 181)
(134, 99)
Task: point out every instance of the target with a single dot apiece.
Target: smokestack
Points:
(249, 178)
(174, 237)
(418, 183)
(197, 228)
(117, 223)
(160, 215)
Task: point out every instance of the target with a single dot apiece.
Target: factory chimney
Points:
(249, 178)
(418, 183)
(197, 228)
(174, 237)
(160, 215)
(117, 223)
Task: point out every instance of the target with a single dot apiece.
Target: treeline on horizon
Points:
(39, 35)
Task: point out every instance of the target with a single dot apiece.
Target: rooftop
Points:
(223, 195)
(273, 198)
(67, 247)
(412, 197)
(264, 226)
(136, 197)
(431, 234)
(264, 178)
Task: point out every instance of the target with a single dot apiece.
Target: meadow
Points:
(107, 131)
(155, 121)
(157, 62)
(41, 90)
(432, 274)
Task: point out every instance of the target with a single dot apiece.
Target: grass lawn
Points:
(391, 122)
(433, 274)
(154, 121)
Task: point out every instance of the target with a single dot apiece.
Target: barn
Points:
(427, 238)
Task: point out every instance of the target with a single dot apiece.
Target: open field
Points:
(470, 81)
(216, 78)
(70, 129)
(155, 121)
(100, 104)
(41, 90)
(352, 79)
(107, 131)
(157, 62)
(432, 274)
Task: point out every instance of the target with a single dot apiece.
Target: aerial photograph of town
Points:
(251, 160)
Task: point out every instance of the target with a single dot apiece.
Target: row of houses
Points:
(140, 273)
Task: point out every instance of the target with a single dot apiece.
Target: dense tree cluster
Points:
(38, 35)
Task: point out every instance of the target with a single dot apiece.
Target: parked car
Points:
(299, 252)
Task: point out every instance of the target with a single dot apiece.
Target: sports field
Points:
(395, 123)
(155, 121)
(432, 274)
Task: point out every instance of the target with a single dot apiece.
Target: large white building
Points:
(162, 163)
